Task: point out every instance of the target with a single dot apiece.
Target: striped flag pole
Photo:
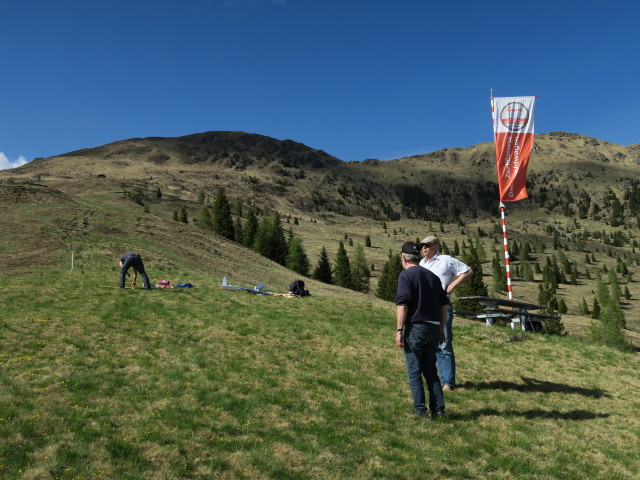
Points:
(506, 251)
(513, 129)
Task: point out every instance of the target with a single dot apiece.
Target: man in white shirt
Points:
(452, 272)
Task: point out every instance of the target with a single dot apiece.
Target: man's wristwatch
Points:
(398, 329)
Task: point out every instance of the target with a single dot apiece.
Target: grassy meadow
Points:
(102, 383)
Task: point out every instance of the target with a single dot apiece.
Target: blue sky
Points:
(358, 79)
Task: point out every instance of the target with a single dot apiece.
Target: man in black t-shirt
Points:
(422, 308)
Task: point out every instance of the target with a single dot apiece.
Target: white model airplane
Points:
(225, 286)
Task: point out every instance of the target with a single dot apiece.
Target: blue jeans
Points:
(445, 355)
(136, 262)
(420, 346)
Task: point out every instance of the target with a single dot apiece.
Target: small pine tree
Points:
(499, 276)
(270, 240)
(367, 241)
(595, 309)
(388, 280)
(238, 207)
(297, 259)
(222, 221)
(473, 287)
(323, 270)
(175, 216)
(250, 229)
(553, 326)
(238, 230)
(583, 309)
(562, 306)
(204, 217)
(360, 273)
(183, 215)
(342, 268)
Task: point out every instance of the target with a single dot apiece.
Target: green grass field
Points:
(102, 383)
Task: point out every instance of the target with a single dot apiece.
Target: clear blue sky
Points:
(358, 79)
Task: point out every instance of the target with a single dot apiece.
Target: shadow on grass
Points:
(533, 385)
(529, 414)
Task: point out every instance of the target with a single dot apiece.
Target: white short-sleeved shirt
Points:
(446, 267)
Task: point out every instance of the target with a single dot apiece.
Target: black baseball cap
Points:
(411, 248)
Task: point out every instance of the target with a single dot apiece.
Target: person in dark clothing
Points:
(422, 309)
(133, 261)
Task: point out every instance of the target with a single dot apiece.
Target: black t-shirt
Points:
(421, 291)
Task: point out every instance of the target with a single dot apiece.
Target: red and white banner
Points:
(513, 136)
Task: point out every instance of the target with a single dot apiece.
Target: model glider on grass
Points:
(225, 286)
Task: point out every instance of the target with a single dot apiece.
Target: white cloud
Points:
(5, 163)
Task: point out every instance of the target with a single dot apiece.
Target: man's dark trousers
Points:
(136, 262)
(421, 341)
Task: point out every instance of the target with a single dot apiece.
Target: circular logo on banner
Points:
(514, 116)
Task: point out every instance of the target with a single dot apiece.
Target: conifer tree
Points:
(270, 240)
(614, 286)
(583, 309)
(526, 271)
(595, 309)
(238, 230)
(204, 218)
(262, 238)
(360, 273)
(279, 243)
(499, 276)
(342, 268)
(388, 280)
(222, 221)
(297, 259)
(562, 306)
(250, 229)
(473, 287)
(238, 207)
(183, 215)
(608, 328)
(479, 246)
(322, 272)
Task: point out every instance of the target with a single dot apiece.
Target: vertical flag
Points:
(513, 136)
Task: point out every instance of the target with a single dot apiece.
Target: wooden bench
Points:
(518, 313)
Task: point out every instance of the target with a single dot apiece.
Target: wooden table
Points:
(518, 313)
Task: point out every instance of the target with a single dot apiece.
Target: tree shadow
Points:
(534, 385)
(528, 414)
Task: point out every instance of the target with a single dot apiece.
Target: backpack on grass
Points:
(297, 288)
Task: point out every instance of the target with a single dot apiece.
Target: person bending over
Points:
(132, 260)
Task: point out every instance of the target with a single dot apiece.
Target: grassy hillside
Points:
(98, 382)
(102, 383)
(95, 199)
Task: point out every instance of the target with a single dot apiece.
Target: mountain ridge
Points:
(258, 165)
